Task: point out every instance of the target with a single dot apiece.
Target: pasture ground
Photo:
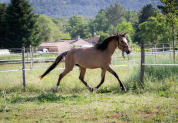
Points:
(89, 107)
(156, 102)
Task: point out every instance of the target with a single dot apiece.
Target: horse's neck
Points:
(112, 47)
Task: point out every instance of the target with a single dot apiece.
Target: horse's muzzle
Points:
(127, 51)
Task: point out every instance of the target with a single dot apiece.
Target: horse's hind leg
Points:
(81, 77)
(66, 71)
(102, 79)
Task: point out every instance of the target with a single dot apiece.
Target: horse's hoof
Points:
(123, 89)
(55, 89)
(91, 90)
(94, 89)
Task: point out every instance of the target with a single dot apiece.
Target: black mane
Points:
(104, 44)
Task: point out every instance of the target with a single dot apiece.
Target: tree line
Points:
(20, 26)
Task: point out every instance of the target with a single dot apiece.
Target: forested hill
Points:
(87, 8)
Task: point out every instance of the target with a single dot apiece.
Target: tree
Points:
(166, 7)
(155, 30)
(115, 14)
(77, 26)
(64, 23)
(20, 25)
(126, 27)
(143, 15)
(101, 22)
(170, 9)
(146, 12)
(102, 36)
(111, 30)
(2, 13)
(131, 16)
(51, 29)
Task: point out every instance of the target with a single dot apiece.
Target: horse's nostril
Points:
(128, 51)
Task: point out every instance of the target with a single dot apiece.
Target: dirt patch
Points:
(146, 116)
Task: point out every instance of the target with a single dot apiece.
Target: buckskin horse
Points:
(98, 56)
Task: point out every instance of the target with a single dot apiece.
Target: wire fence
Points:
(133, 59)
(31, 58)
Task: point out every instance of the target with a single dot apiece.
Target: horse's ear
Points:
(118, 34)
(125, 34)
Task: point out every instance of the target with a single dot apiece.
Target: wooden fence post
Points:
(142, 62)
(30, 57)
(155, 50)
(163, 49)
(23, 67)
(27, 54)
(170, 49)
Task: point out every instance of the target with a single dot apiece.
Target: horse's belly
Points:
(88, 61)
(90, 66)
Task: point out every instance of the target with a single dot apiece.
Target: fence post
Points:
(170, 49)
(142, 62)
(27, 54)
(30, 57)
(163, 49)
(155, 51)
(23, 67)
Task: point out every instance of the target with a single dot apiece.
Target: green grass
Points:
(89, 107)
(156, 101)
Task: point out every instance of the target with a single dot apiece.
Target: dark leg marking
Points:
(102, 79)
(59, 79)
(115, 74)
(121, 85)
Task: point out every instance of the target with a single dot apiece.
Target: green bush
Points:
(157, 78)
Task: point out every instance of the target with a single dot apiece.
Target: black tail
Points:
(56, 62)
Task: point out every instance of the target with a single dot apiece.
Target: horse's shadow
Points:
(43, 97)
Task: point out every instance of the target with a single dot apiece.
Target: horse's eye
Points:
(122, 41)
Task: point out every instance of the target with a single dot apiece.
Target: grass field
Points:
(156, 101)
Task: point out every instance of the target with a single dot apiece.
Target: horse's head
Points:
(123, 43)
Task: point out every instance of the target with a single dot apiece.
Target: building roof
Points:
(52, 43)
(93, 40)
(80, 42)
(70, 41)
(77, 41)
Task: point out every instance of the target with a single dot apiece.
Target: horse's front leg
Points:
(102, 79)
(115, 74)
